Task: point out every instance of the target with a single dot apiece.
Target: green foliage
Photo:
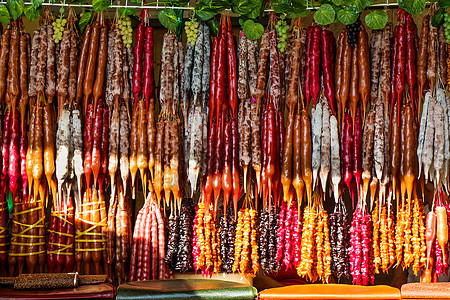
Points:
(241, 7)
(31, 13)
(414, 7)
(15, 8)
(437, 19)
(205, 13)
(249, 11)
(125, 12)
(4, 14)
(213, 26)
(377, 19)
(100, 5)
(290, 8)
(242, 20)
(78, 2)
(338, 2)
(347, 15)
(444, 3)
(359, 5)
(168, 18)
(84, 20)
(256, 9)
(252, 30)
(207, 9)
(325, 15)
(36, 3)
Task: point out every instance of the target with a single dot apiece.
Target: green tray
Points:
(201, 289)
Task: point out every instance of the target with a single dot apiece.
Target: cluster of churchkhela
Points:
(234, 152)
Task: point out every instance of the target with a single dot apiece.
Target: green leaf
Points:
(100, 5)
(135, 1)
(205, 14)
(135, 18)
(125, 12)
(84, 20)
(444, 3)
(252, 30)
(168, 18)
(304, 13)
(177, 3)
(241, 7)
(414, 7)
(358, 5)
(292, 10)
(206, 9)
(4, 14)
(281, 8)
(377, 19)
(438, 18)
(296, 11)
(370, 2)
(213, 26)
(179, 28)
(36, 3)
(242, 20)
(256, 9)
(217, 5)
(15, 8)
(347, 16)
(221, 5)
(299, 8)
(31, 13)
(325, 15)
(338, 2)
(290, 15)
(78, 2)
(299, 3)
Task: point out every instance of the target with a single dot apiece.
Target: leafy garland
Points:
(326, 12)
(438, 17)
(250, 11)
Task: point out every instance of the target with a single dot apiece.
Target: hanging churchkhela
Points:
(246, 255)
(433, 150)
(362, 122)
(68, 139)
(315, 260)
(157, 149)
(289, 226)
(339, 240)
(383, 235)
(267, 167)
(196, 82)
(28, 229)
(117, 99)
(168, 162)
(179, 251)
(223, 141)
(89, 157)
